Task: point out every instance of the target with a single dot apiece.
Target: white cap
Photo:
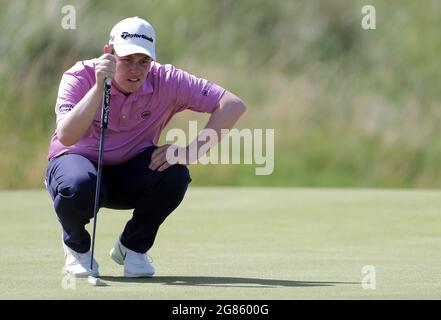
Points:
(133, 35)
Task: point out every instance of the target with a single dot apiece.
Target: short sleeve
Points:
(73, 87)
(195, 93)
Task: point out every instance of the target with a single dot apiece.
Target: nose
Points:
(133, 67)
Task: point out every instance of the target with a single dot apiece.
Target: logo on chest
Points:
(146, 114)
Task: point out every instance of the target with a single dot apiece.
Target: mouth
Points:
(133, 80)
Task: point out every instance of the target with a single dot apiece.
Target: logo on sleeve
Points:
(206, 89)
(65, 108)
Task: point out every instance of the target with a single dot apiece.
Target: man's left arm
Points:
(230, 108)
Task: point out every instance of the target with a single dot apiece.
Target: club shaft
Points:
(104, 121)
(97, 193)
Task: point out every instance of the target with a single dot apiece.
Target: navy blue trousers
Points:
(153, 195)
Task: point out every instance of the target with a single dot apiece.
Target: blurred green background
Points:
(349, 107)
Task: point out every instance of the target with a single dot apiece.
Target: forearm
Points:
(75, 124)
(224, 117)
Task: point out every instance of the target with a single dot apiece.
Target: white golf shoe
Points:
(136, 265)
(78, 264)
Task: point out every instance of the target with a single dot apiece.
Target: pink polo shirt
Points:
(135, 121)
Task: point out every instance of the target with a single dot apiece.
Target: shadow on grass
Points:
(223, 282)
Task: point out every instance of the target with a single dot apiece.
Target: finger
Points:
(103, 75)
(158, 158)
(164, 166)
(107, 56)
(105, 70)
(155, 154)
(157, 162)
(100, 67)
(159, 151)
(104, 64)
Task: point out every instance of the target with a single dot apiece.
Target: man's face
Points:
(131, 71)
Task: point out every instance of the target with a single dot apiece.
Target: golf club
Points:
(104, 122)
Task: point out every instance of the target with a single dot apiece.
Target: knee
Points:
(78, 191)
(177, 177)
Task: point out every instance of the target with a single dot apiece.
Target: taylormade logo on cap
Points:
(125, 35)
(133, 35)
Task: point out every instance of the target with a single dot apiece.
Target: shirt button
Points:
(124, 116)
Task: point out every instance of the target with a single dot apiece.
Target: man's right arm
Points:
(72, 127)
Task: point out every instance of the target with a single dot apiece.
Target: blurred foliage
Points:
(349, 107)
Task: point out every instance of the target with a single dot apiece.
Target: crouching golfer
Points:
(136, 174)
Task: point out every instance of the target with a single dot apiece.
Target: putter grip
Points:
(106, 103)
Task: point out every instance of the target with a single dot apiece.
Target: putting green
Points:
(242, 243)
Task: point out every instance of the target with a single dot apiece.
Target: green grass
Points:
(242, 243)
